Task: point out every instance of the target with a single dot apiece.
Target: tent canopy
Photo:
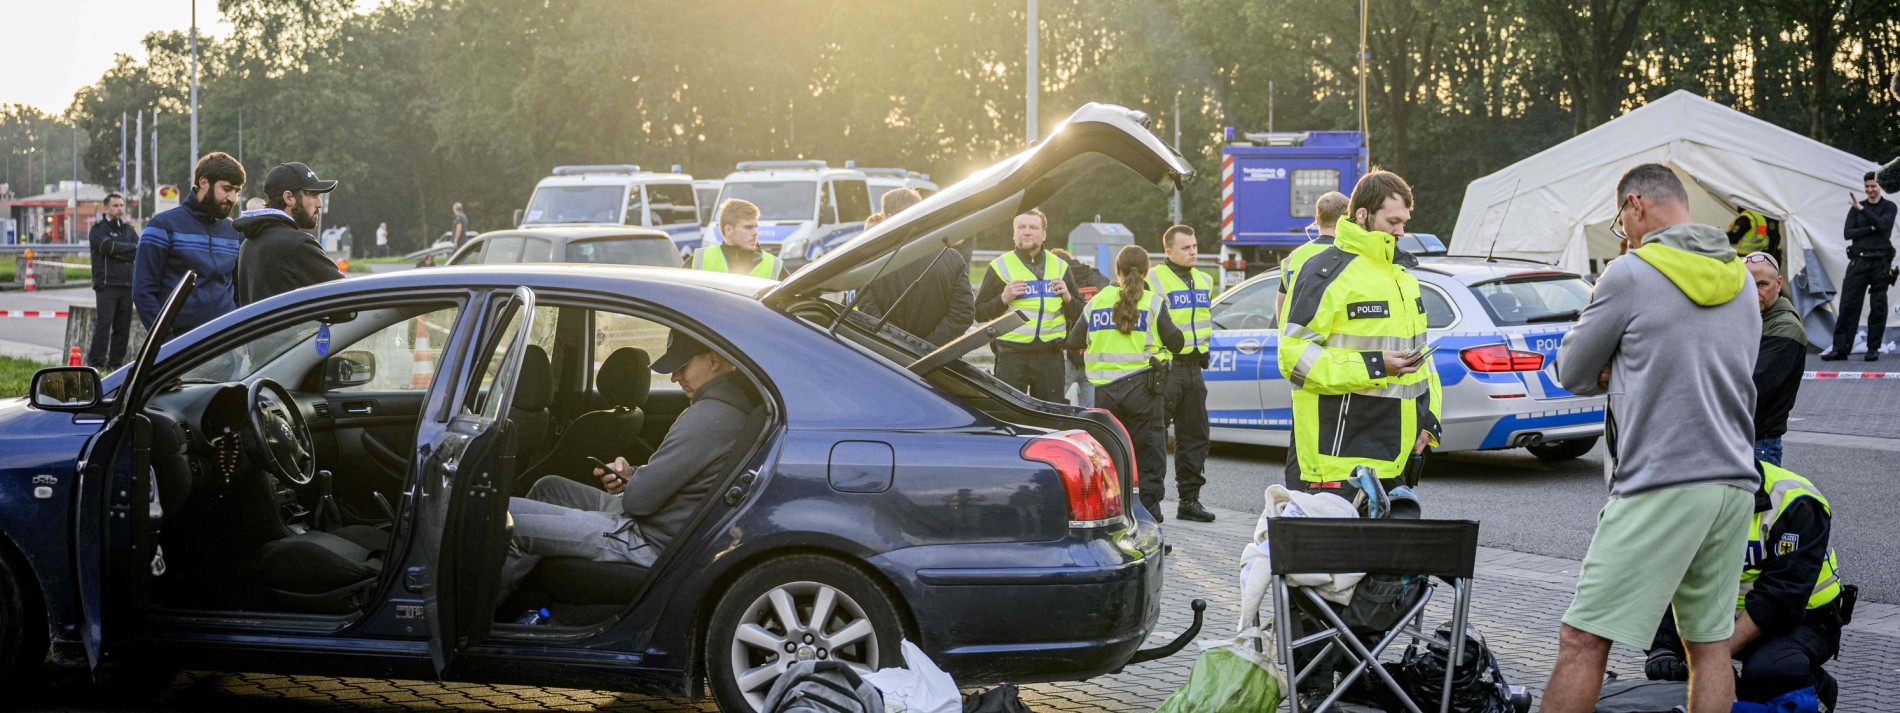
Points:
(1556, 206)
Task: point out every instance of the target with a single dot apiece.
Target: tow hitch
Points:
(1179, 642)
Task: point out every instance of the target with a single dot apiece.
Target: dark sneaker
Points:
(1872, 356)
(1192, 511)
(1831, 356)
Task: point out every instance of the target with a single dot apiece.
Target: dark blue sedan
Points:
(318, 483)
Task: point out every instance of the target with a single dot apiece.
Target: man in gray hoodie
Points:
(1670, 335)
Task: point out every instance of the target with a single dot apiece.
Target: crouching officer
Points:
(1185, 401)
(1353, 346)
(1792, 606)
(1124, 332)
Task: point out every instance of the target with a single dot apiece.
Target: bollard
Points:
(72, 358)
(31, 284)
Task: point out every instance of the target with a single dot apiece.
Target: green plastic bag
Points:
(1229, 676)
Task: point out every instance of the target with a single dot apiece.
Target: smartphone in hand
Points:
(1420, 355)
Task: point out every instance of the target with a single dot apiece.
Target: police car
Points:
(806, 208)
(1497, 325)
(618, 195)
(883, 180)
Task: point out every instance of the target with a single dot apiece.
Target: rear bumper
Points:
(1064, 610)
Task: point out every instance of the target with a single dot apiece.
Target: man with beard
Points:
(196, 236)
(277, 256)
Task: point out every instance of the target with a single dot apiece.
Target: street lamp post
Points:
(194, 80)
(1034, 87)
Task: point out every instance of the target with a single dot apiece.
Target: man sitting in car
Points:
(640, 509)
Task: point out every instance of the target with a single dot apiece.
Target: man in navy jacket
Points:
(197, 235)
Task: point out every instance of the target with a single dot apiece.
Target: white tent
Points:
(1557, 206)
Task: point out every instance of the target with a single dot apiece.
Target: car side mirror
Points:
(65, 388)
(351, 368)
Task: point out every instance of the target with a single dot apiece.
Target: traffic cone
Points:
(32, 285)
(72, 358)
(424, 368)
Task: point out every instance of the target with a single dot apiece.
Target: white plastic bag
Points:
(919, 687)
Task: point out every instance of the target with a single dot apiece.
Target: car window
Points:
(1306, 185)
(671, 204)
(244, 360)
(854, 201)
(408, 353)
(708, 200)
(777, 200)
(537, 250)
(498, 343)
(1439, 313)
(1527, 298)
(641, 250)
(502, 251)
(828, 210)
(614, 331)
(1254, 306)
(575, 204)
(471, 256)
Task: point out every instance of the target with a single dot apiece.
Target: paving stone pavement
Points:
(1516, 604)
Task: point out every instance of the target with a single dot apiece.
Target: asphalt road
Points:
(1528, 505)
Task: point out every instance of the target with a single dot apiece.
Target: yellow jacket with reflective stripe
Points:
(1111, 355)
(713, 259)
(1349, 304)
(1290, 268)
(1756, 237)
(1040, 303)
(1187, 306)
(1783, 488)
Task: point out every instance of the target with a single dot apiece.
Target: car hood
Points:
(1095, 137)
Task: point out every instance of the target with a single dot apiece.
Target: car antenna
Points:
(1492, 254)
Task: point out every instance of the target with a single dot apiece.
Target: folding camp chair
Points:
(1446, 549)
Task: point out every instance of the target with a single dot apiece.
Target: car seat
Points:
(624, 380)
(534, 390)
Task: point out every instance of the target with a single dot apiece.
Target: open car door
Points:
(114, 547)
(463, 494)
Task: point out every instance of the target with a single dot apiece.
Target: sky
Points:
(45, 67)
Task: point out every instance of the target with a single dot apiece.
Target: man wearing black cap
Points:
(277, 256)
(638, 511)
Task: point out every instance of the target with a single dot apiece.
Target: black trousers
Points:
(1037, 372)
(111, 327)
(1777, 665)
(1134, 402)
(1185, 402)
(1866, 277)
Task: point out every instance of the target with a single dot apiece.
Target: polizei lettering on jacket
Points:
(1100, 319)
(1367, 310)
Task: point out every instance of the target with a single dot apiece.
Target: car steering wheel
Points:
(278, 436)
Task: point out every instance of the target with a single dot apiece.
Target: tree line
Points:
(422, 103)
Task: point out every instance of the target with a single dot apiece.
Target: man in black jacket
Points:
(1778, 365)
(1869, 253)
(937, 307)
(277, 256)
(114, 245)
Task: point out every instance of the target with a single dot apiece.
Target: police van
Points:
(882, 180)
(806, 208)
(618, 195)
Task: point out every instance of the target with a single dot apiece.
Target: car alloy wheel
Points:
(800, 608)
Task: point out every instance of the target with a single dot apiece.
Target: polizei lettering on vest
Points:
(1367, 310)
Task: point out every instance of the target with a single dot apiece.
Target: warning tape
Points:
(32, 314)
(1867, 375)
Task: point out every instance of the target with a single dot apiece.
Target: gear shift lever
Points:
(328, 517)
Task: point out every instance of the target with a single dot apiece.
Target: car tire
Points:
(1563, 450)
(740, 671)
(22, 627)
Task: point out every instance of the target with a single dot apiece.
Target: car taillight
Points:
(1496, 358)
(1134, 473)
(1088, 476)
(1238, 263)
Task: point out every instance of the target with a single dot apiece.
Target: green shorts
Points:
(1682, 546)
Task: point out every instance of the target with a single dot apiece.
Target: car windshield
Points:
(777, 200)
(658, 252)
(575, 204)
(1525, 299)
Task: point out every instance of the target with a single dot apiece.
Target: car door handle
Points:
(1248, 346)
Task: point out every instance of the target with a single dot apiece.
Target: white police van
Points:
(708, 191)
(618, 195)
(883, 180)
(806, 208)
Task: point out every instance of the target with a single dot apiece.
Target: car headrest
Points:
(535, 387)
(625, 377)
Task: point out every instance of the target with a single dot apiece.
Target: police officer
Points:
(1327, 211)
(1789, 615)
(1039, 284)
(1126, 335)
(1869, 233)
(1352, 345)
(1187, 293)
(739, 252)
(1748, 232)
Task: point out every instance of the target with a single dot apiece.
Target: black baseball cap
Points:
(680, 347)
(295, 176)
